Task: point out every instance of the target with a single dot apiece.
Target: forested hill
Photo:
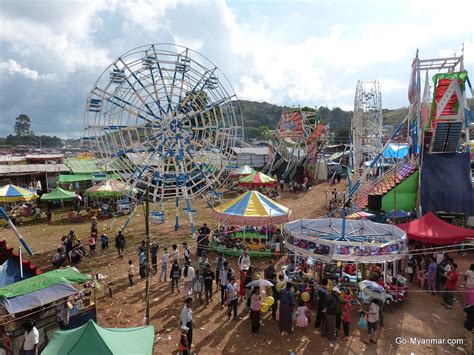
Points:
(262, 116)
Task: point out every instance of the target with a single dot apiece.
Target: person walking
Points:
(164, 265)
(469, 279)
(331, 300)
(231, 297)
(187, 320)
(372, 320)
(287, 303)
(188, 276)
(120, 244)
(244, 260)
(432, 274)
(203, 239)
(154, 256)
(224, 276)
(198, 286)
(220, 260)
(346, 316)
(255, 303)
(175, 274)
(174, 253)
(130, 272)
(469, 328)
(450, 286)
(92, 242)
(322, 292)
(186, 253)
(104, 241)
(31, 339)
(208, 276)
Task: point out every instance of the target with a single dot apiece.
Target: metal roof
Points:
(44, 156)
(251, 150)
(10, 158)
(32, 168)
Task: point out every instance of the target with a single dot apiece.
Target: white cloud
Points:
(253, 90)
(12, 67)
(388, 85)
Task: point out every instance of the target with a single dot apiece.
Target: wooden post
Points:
(147, 266)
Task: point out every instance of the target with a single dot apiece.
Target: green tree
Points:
(23, 126)
(263, 132)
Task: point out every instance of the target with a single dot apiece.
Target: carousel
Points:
(348, 251)
(249, 221)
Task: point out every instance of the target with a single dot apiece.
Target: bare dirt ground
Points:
(421, 316)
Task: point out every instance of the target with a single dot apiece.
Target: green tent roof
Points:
(42, 281)
(58, 194)
(65, 179)
(83, 166)
(92, 339)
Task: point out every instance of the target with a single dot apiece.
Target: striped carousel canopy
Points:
(242, 171)
(257, 179)
(12, 193)
(109, 188)
(252, 209)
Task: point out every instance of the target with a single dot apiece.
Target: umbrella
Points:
(12, 193)
(257, 179)
(372, 289)
(360, 215)
(259, 283)
(397, 214)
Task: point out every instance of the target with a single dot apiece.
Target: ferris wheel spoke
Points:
(125, 105)
(140, 97)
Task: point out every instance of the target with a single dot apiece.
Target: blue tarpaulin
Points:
(446, 183)
(397, 151)
(38, 298)
(10, 273)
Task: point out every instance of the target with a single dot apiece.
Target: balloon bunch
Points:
(265, 306)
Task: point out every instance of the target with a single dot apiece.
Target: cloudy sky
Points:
(284, 52)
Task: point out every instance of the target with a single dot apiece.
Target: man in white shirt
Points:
(187, 319)
(224, 275)
(244, 260)
(31, 340)
(175, 253)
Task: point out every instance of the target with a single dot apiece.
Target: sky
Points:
(308, 53)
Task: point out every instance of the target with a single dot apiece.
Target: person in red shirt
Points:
(451, 280)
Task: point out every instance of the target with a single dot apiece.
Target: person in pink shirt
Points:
(346, 316)
(255, 303)
(302, 319)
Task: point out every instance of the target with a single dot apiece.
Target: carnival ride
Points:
(437, 131)
(164, 118)
(298, 142)
(248, 211)
(366, 124)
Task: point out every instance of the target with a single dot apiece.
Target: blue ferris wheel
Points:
(165, 119)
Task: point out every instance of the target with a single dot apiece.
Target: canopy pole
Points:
(147, 237)
(20, 252)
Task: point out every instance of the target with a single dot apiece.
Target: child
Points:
(131, 271)
(303, 315)
(203, 260)
(198, 286)
(346, 316)
(164, 264)
(104, 241)
(183, 346)
(92, 242)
